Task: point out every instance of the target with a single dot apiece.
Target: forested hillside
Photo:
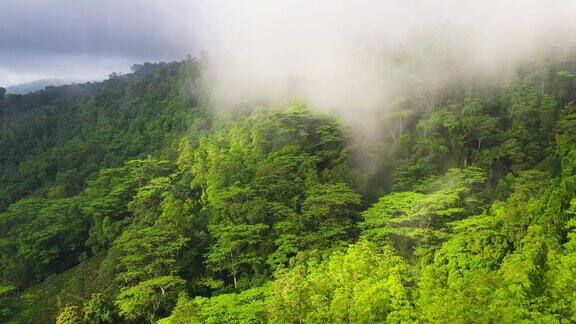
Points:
(36, 85)
(134, 200)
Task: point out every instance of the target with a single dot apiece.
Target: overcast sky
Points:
(85, 39)
(259, 44)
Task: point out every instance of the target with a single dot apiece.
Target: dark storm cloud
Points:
(83, 37)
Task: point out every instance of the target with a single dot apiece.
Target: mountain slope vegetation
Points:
(134, 200)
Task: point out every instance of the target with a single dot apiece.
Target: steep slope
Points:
(54, 140)
(181, 213)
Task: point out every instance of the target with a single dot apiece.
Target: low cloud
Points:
(354, 56)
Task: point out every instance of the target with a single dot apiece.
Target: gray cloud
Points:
(340, 52)
(84, 39)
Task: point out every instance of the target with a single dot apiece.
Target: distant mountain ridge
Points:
(36, 85)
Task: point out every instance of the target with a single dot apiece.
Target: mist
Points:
(353, 57)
